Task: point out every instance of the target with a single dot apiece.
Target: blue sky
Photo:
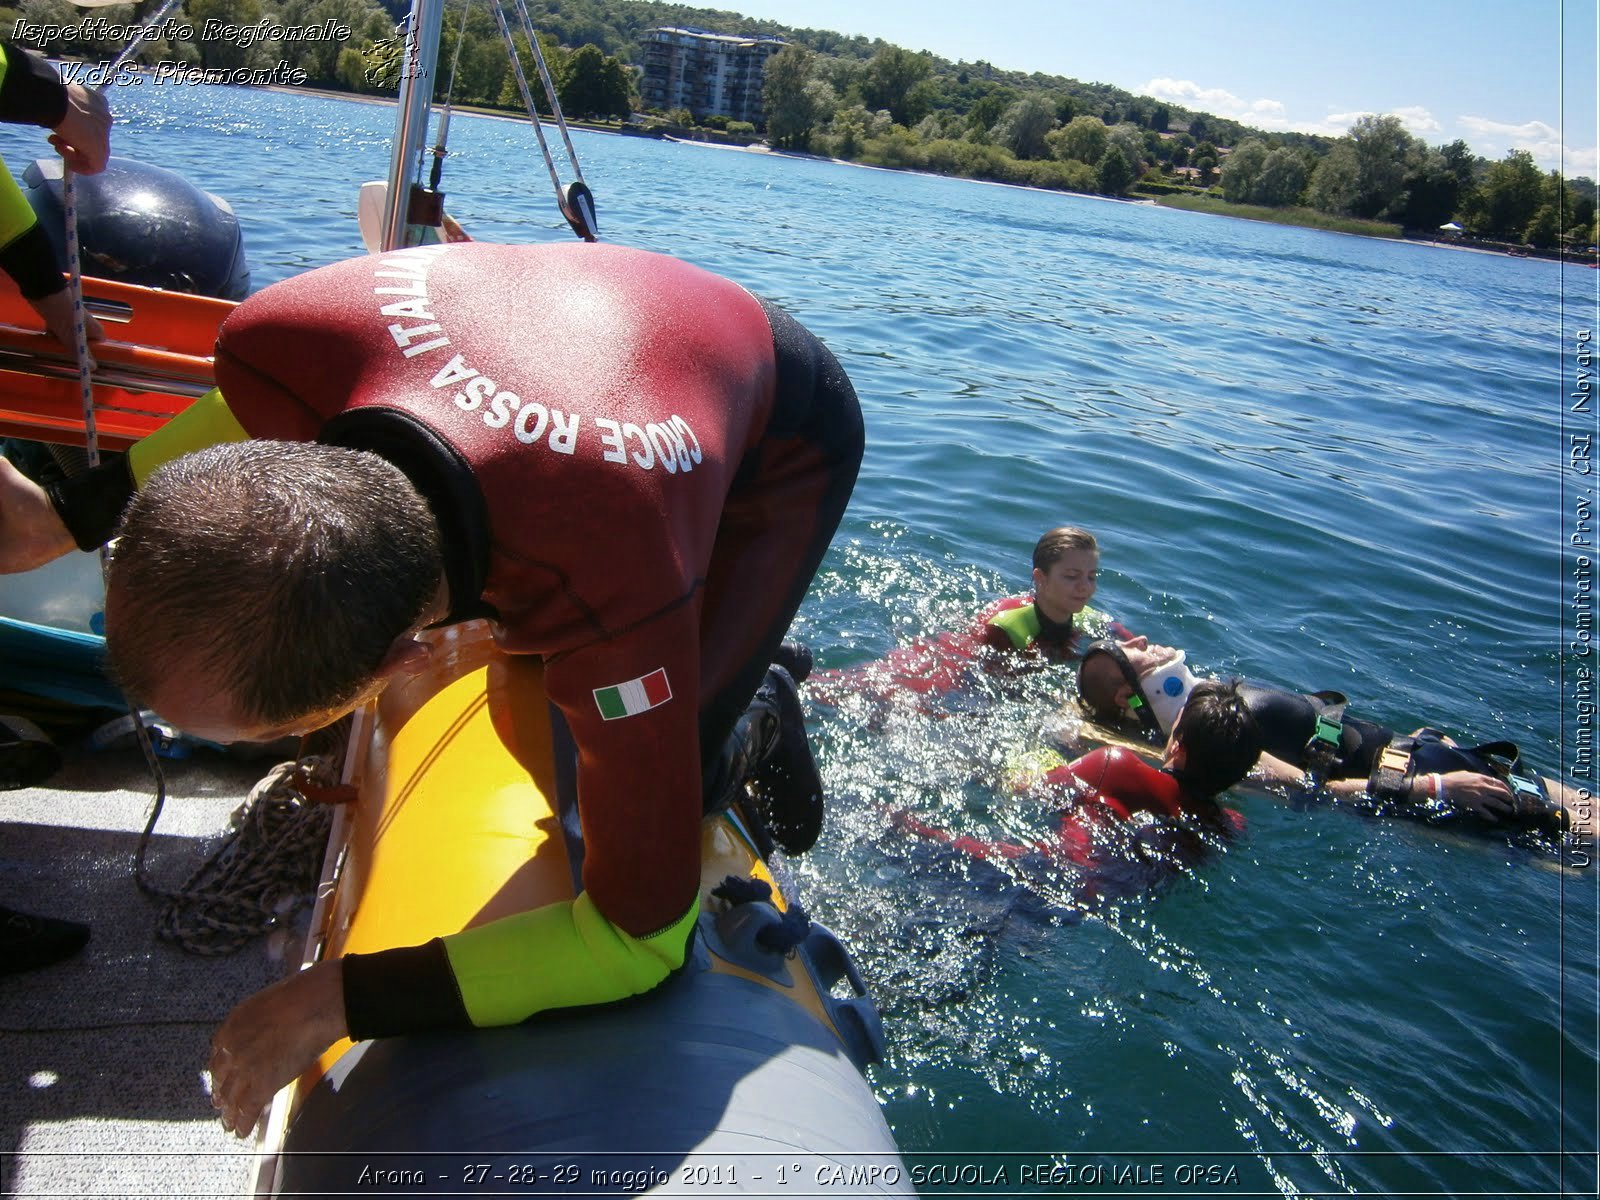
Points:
(1498, 74)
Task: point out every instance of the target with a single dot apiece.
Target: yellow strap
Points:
(206, 422)
(1392, 758)
(559, 956)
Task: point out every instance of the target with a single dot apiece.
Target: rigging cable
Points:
(575, 200)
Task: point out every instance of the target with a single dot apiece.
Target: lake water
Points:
(1318, 460)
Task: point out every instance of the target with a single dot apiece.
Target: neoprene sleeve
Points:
(30, 94)
(91, 502)
(559, 956)
(207, 422)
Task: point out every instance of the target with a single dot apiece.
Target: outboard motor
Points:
(144, 224)
(138, 224)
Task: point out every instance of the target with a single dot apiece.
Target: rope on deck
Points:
(265, 871)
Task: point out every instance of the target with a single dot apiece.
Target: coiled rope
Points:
(265, 871)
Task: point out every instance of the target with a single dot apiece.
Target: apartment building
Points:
(710, 74)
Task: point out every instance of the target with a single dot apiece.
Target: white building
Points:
(710, 74)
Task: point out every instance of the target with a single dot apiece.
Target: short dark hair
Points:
(289, 568)
(1098, 683)
(1220, 738)
(1061, 540)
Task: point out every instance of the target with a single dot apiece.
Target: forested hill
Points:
(616, 27)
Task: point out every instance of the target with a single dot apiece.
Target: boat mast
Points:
(420, 63)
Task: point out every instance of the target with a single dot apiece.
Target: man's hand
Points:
(55, 310)
(31, 534)
(1483, 795)
(271, 1038)
(83, 136)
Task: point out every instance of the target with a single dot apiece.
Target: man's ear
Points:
(406, 656)
(1038, 579)
(1175, 755)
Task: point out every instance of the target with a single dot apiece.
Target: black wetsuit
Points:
(1288, 723)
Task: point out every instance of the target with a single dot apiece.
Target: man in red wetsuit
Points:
(1212, 747)
(632, 466)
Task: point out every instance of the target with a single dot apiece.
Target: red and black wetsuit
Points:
(1099, 791)
(943, 663)
(637, 467)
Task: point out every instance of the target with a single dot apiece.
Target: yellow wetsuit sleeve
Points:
(560, 956)
(206, 422)
(16, 215)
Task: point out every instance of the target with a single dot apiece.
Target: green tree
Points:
(1544, 230)
(1130, 139)
(1581, 204)
(593, 85)
(1383, 152)
(1281, 180)
(353, 70)
(1083, 140)
(222, 53)
(1024, 128)
(1432, 193)
(1240, 170)
(986, 113)
(1511, 194)
(555, 59)
(892, 80)
(1462, 163)
(1114, 172)
(618, 86)
(791, 111)
(1334, 183)
(481, 71)
(848, 131)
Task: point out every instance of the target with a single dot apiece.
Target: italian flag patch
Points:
(634, 697)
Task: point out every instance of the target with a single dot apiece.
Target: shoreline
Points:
(804, 156)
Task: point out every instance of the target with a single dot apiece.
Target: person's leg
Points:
(786, 502)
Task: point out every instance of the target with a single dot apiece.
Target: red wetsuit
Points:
(943, 663)
(1101, 789)
(637, 467)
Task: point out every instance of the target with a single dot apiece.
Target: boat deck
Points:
(105, 1093)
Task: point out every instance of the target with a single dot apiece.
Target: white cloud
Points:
(1418, 120)
(1334, 124)
(1273, 115)
(1494, 139)
(1218, 101)
(1490, 138)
